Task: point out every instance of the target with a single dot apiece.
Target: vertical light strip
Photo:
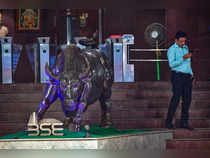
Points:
(158, 66)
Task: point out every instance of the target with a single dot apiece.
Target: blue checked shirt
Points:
(175, 58)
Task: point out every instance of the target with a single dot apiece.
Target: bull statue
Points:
(79, 78)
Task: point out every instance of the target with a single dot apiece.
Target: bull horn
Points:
(50, 74)
(85, 74)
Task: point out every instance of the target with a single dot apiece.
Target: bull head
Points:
(71, 82)
(55, 77)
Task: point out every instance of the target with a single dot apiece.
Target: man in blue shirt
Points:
(179, 59)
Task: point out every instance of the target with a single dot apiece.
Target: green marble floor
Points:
(95, 132)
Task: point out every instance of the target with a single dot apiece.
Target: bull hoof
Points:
(106, 124)
(77, 128)
(87, 129)
(74, 127)
(70, 127)
(67, 122)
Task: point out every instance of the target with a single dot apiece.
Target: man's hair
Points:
(180, 34)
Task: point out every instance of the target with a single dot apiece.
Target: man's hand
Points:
(186, 56)
(194, 83)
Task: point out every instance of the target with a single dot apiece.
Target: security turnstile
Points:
(123, 70)
(6, 60)
(118, 62)
(128, 69)
(44, 57)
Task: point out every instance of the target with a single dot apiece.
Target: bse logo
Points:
(46, 127)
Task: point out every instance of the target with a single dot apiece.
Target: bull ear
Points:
(50, 73)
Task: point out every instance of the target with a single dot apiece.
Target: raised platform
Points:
(139, 105)
(145, 140)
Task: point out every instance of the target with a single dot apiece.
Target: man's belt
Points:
(182, 73)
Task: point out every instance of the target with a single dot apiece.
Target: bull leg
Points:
(50, 96)
(82, 107)
(69, 119)
(106, 105)
(78, 117)
(74, 119)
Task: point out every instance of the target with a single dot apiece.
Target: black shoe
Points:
(170, 126)
(187, 127)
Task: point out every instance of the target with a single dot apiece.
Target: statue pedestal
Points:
(144, 140)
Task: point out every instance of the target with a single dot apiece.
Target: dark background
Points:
(194, 21)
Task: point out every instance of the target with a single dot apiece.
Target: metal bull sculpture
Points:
(78, 79)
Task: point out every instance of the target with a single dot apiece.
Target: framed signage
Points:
(28, 19)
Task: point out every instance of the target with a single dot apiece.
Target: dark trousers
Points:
(181, 87)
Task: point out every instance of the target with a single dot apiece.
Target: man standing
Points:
(179, 59)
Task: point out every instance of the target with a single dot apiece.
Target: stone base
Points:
(147, 140)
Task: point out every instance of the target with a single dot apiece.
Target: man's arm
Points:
(173, 62)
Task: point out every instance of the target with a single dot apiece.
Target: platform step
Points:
(20, 97)
(10, 128)
(136, 106)
(156, 103)
(194, 134)
(156, 123)
(188, 144)
(158, 84)
(159, 113)
(132, 110)
(198, 94)
(152, 85)
(118, 95)
(14, 88)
